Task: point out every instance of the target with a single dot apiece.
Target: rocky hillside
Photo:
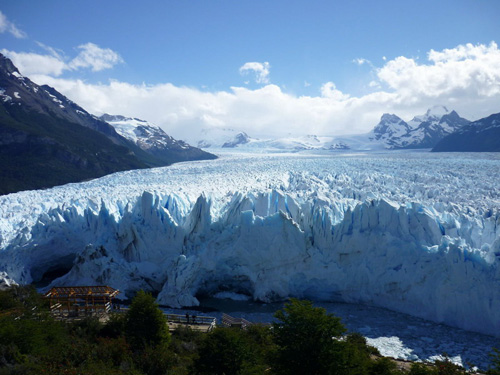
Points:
(47, 140)
(479, 136)
(154, 140)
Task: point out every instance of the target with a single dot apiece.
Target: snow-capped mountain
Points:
(238, 140)
(479, 136)
(19, 91)
(423, 131)
(392, 132)
(221, 138)
(390, 128)
(46, 139)
(418, 233)
(230, 138)
(154, 140)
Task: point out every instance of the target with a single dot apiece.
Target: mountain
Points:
(423, 131)
(220, 138)
(154, 140)
(239, 139)
(231, 138)
(390, 130)
(479, 136)
(391, 133)
(47, 140)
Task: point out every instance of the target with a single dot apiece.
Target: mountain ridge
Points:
(48, 140)
(152, 139)
(482, 135)
(423, 131)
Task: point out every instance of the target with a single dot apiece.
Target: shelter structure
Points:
(81, 301)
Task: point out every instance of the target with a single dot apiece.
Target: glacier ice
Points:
(413, 232)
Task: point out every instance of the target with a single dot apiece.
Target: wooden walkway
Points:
(195, 322)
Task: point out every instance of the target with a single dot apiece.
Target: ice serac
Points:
(324, 229)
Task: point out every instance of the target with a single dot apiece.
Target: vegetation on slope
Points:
(304, 340)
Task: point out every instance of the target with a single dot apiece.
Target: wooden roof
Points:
(76, 291)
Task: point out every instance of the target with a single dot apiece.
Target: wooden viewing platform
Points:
(73, 302)
(195, 322)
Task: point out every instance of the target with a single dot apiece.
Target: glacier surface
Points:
(413, 232)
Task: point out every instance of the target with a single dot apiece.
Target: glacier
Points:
(413, 232)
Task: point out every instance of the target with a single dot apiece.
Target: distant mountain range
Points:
(391, 133)
(482, 135)
(421, 132)
(47, 140)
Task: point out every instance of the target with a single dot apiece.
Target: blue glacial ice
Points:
(416, 233)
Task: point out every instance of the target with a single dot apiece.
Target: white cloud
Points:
(361, 61)
(329, 90)
(261, 71)
(467, 70)
(54, 64)
(9, 27)
(92, 56)
(33, 63)
(465, 78)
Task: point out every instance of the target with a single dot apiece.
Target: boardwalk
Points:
(195, 322)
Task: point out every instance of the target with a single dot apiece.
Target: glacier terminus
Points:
(413, 232)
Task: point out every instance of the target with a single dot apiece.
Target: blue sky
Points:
(297, 55)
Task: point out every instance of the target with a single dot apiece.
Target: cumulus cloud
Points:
(467, 70)
(92, 56)
(54, 64)
(329, 90)
(465, 78)
(8, 27)
(33, 63)
(261, 71)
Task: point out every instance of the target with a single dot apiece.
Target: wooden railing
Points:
(191, 319)
(229, 321)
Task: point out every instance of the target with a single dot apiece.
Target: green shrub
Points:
(420, 369)
(146, 325)
(383, 366)
(222, 351)
(307, 340)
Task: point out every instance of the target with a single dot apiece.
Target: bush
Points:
(383, 366)
(223, 351)
(446, 367)
(146, 325)
(307, 340)
(420, 369)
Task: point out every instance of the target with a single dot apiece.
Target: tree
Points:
(223, 351)
(146, 325)
(308, 340)
(495, 362)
